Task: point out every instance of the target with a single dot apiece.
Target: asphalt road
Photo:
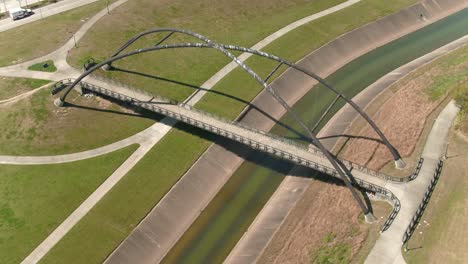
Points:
(49, 10)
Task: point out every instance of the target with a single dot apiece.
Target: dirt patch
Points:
(327, 213)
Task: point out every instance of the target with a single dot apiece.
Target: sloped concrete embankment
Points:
(164, 225)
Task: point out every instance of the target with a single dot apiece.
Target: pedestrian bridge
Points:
(301, 154)
(316, 157)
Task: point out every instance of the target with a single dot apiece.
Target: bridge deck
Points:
(272, 144)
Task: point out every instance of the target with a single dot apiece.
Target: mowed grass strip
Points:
(45, 66)
(102, 229)
(107, 224)
(43, 36)
(35, 199)
(241, 22)
(10, 87)
(35, 126)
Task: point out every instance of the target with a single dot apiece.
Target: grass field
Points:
(10, 87)
(441, 236)
(35, 126)
(35, 199)
(45, 66)
(135, 194)
(108, 237)
(43, 36)
(232, 21)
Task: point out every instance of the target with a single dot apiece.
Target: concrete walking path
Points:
(139, 138)
(387, 249)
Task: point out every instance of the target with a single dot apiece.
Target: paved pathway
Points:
(387, 249)
(49, 10)
(139, 138)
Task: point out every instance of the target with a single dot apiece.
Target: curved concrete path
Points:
(139, 138)
(387, 249)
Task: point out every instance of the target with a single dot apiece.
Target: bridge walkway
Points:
(283, 148)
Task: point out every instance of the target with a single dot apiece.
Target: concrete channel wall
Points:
(172, 216)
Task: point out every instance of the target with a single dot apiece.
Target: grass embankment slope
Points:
(35, 126)
(324, 232)
(155, 168)
(43, 36)
(35, 199)
(11, 87)
(406, 111)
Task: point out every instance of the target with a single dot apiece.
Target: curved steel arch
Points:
(343, 172)
(396, 155)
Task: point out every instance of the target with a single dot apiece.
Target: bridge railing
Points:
(159, 99)
(385, 194)
(422, 206)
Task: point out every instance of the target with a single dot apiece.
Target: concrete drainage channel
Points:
(265, 180)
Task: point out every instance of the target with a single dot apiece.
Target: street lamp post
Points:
(107, 2)
(4, 5)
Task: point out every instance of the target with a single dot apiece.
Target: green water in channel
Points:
(227, 217)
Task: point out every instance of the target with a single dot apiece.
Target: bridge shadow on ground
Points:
(271, 163)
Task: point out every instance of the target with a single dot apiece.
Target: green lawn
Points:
(45, 66)
(35, 126)
(242, 22)
(154, 175)
(139, 191)
(35, 199)
(10, 87)
(43, 36)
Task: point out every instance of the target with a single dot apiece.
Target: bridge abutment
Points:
(370, 218)
(58, 102)
(400, 164)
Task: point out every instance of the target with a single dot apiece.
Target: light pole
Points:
(74, 38)
(107, 4)
(4, 5)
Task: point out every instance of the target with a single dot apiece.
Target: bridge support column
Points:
(370, 218)
(400, 164)
(58, 102)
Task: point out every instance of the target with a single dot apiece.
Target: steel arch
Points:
(396, 155)
(338, 166)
